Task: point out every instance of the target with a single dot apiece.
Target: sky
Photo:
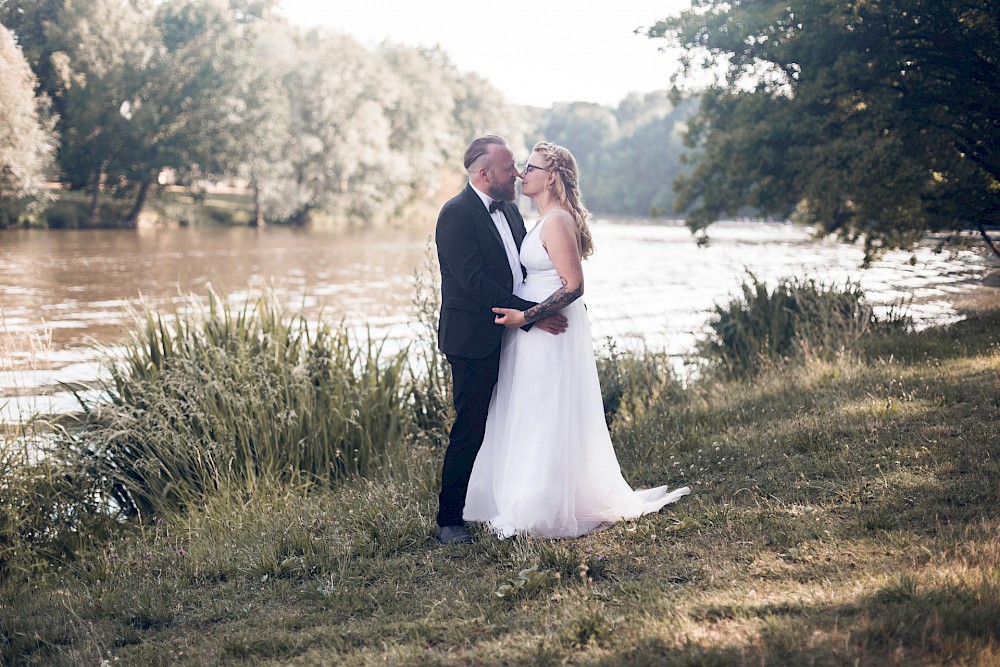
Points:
(536, 52)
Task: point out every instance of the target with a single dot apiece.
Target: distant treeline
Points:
(116, 99)
(629, 155)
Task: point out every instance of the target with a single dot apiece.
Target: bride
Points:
(547, 466)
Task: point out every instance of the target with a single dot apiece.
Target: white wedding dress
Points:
(547, 466)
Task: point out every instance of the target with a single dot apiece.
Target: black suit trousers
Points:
(472, 382)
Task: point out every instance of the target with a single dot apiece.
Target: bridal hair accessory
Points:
(567, 177)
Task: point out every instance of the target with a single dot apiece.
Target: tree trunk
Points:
(986, 239)
(95, 185)
(132, 220)
(258, 215)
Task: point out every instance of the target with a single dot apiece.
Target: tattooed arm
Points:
(559, 238)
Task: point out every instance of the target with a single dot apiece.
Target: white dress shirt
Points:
(500, 220)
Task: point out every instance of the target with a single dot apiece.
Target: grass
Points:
(39, 501)
(227, 402)
(843, 513)
(798, 318)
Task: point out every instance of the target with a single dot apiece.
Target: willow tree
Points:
(369, 132)
(872, 119)
(27, 19)
(335, 153)
(26, 142)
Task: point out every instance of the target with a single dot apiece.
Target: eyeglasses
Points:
(528, 167)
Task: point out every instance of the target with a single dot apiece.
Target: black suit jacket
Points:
(475, 275)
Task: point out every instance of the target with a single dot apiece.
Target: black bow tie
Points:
(496, 205)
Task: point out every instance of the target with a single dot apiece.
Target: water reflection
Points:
(63, 293)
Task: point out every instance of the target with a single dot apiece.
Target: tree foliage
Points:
(873, 119)
(358, 134)
(628, 155)
(144, 88)
(27, 19)
(26, 140)
(197, 90)
(191, 92)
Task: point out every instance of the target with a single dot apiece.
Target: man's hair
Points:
(479, 146)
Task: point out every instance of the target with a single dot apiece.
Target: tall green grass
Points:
(842, 513)
(230, 401)
(797, 319)
(635, 380)
(46, 515)
(431, 395)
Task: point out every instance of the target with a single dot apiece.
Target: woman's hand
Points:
(509, 317)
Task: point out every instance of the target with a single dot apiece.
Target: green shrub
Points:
(223, 402)
(633, 381)
(797, 318)
(47, 514)
(64, 214)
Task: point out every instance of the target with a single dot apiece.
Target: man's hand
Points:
(553, 324)
(513, 318)
(509, 317)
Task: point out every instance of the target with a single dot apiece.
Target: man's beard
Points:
(504, 192)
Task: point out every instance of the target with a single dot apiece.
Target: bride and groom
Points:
(529, 452)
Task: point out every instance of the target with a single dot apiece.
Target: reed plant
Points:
(430, 395)
(224, 401)
(46, 515)
(798, 318)
(633, 381)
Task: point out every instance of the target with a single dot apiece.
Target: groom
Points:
(478, 235)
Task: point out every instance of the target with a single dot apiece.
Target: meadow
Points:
(259, 490)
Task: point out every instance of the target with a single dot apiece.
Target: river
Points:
(64, 294)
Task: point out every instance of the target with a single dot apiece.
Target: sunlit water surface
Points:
(65, 294)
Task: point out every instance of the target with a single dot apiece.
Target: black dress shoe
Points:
(453, 535)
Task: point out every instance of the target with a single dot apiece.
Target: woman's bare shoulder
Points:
(559, 214)
(560, 218)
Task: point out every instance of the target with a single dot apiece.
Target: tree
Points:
(203, 102)
(586, 128)
(627, 155)
(337, 155)
(148, 87)
(419, 107)
(26, 140)
(103, 53)
(368, 132)
(636, 175)
(26, 19)
(258, 154)
(205, 88)
(479, 109)
(873, 119)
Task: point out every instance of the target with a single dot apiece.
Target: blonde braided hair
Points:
(566, 190)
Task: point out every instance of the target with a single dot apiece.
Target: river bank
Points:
(843, 512)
